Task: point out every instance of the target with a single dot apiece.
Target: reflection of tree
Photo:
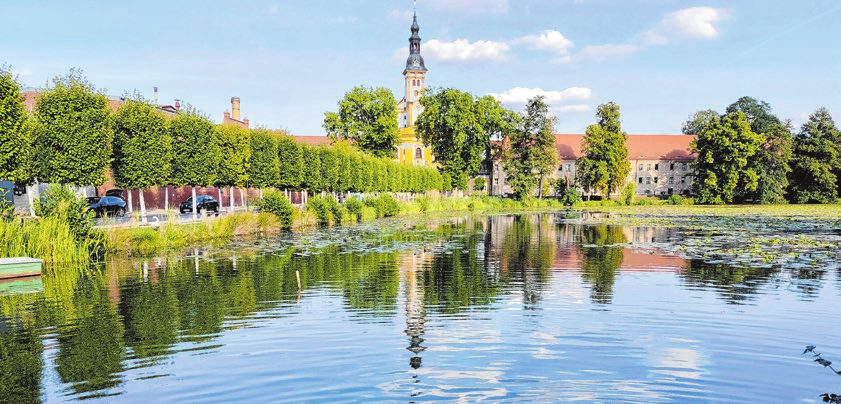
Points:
(20, 365)
(600, 258)
(90, 354)
(735, 284)
(528, 250)
(457, 277)
(149, 313)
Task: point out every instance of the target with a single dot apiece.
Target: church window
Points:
(418, 153)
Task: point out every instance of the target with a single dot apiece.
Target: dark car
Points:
(203, 202)
(107, 205)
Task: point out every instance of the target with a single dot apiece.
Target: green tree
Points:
(15, 131)
(368, 117)
(698, 120)
(771, 162)
(311, 173)
(290, 158)
(817, 160)
(721, 169)
(72, 133)
(195, 151)
(264, 169)
(459, 127)
(604, 165)
(235, 149)
(329, 168)
(142, 148)
(531, 153)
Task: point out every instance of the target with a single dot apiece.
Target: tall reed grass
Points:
(50, 239)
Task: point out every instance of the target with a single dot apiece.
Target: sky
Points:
(292, 61)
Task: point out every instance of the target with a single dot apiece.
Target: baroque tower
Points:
(415, 75)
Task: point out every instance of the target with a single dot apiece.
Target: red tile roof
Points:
(312, 140)
(640, 147)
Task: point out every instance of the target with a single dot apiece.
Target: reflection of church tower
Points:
(411, 150)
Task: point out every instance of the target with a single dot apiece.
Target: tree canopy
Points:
(817, 162)
(196, 152)
(264, 169)
(698, 120)
(142, 146)
(459, 127)
(368, 117)
(721, 170)
(15, 131)
(604, 164)
(530, 153)
(73, 133)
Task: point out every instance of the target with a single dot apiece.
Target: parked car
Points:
(107, 205)
(203, 202)
(119, 193)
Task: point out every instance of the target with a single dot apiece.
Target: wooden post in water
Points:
(298, 276)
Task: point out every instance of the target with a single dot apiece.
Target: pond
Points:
(513, 308)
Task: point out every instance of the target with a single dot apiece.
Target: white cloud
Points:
(607, 52)
(550, 40)
(474, 6)
(691, 23)
(520, 95)
(463, 50)
(572, 108)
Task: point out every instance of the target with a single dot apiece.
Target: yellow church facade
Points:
(411, 150)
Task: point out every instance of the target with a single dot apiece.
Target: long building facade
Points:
(659, 164)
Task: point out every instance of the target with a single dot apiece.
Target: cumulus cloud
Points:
(688, 23)
(474, 6)
(463, 50)
(550, 40)
(573, 99)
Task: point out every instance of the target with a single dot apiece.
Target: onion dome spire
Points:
(415, 60)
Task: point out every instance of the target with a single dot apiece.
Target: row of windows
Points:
(683, 166)
(657, 179)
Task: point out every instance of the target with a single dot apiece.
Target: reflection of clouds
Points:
(458, 392)
(677, 362)
(468, 336)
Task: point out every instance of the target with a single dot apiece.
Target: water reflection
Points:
(106, 328)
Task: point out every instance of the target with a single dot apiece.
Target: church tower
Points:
(415, 75)
(411, 150)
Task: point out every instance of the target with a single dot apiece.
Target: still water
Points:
(512, 308)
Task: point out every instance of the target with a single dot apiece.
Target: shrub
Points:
(676, 199)
(335, 209)
(570, 197)
(7, 209)
(642, 202)
(319, 205)
(628, 193)
(275, 202)
(62, 203)
(423, 203)
(354, 207)
(385, 205)
(479, 184)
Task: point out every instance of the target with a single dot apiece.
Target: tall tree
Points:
(698, 120)
(817, 160)
(771, 162)
(311, 172)
(73, 132)
(142, 148)
(290, 158)
(723, 149)
(458, 127)
(530, 153)
(195, 151)
(15, 131)
(604, 165)
(235, 149)
(264, 170)
(368, 117)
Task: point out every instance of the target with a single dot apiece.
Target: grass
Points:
(49, 239)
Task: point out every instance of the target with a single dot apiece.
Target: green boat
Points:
(20, 267)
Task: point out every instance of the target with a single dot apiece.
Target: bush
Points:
(423, 203)
(479, 184)
(354, 207)
(335, 209)
(324, 208)
(570, 197)
(385, 205)
(642, 202)
(628, 193)
(62, 203)
(275, 202)
(7, 209)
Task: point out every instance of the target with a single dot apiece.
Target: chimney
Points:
(178, 105)
(155, 99)
(235, 107)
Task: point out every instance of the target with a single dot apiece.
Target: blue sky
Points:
(290, 61)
